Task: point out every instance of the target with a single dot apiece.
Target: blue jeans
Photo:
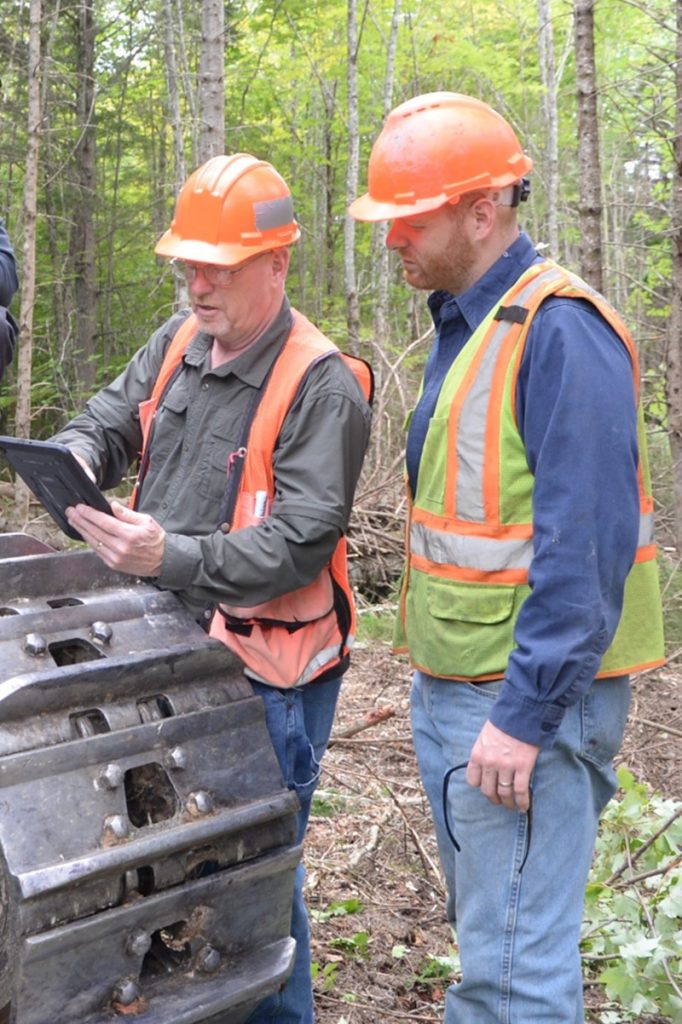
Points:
(299, 722)
(517, 930)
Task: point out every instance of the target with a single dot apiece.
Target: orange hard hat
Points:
(432, 150)
(230, 208)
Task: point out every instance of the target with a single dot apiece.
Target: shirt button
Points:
(204, 386)
(225, 527)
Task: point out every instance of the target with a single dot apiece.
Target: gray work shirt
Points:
(317, 462)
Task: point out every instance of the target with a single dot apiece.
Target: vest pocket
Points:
(460, 630)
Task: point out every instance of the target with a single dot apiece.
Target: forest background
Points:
(107, 105)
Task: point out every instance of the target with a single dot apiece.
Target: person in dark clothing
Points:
(9, 283)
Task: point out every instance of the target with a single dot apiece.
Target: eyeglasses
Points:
(214, 275)
(451, 834)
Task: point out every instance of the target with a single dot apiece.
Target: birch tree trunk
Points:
(179, 166)
(588, 146)
(674, 353)
(352, 175)
(549, 103)
(212, 81)
(380, 259)
(83, 249)
(28, 265)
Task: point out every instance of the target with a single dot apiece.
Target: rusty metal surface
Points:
(147, 842)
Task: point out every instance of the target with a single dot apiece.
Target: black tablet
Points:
(55, 476)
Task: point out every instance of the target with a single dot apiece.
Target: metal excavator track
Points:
(147, 841)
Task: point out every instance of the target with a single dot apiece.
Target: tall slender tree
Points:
(590, 211)
(23, 410)
(352, 175)
(674, 353)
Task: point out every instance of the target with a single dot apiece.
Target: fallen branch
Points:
(658, 725)
(372, 718)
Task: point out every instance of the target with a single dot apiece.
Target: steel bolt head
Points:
(200, 802)
(117, 825)
(207, 959)
(176, 758)
(139, 942)
(111, 776)
(102, 632)
(35, 644)
(126, 992)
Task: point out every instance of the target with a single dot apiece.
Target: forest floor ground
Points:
(371, 841)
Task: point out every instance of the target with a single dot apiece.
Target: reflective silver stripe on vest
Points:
(486, 554)
(646, 530)
(466, 552)
(471, 444)
(313, 666)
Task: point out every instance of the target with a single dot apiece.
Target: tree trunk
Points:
(28, 265)
(588, 146)
(549, 102)
(380, 259)
(674, 353)
(212, 80)
(352, 175)
(83, 247)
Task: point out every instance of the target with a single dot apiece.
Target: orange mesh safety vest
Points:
(295, 638)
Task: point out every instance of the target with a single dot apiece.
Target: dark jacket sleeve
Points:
(8, 270)
(8, 286)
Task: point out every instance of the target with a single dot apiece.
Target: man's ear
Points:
(280, 261)
(484, 213)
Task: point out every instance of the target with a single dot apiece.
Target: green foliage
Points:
(338, 908)
(434, 970)
(632, 938)
(326, 804)
(376, 627)
(329, 973)
(356, 945)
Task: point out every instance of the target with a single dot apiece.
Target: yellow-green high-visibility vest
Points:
(470, 530)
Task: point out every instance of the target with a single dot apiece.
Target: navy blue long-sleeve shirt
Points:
(576, 412)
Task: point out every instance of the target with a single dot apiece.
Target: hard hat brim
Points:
(223, 254)
(365, 208)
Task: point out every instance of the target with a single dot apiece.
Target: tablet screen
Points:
(55, 476)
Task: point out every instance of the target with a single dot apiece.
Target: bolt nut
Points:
(207, 960)
(139, 942)
(111, 776)
(176, 758)
(35, 644)
(117, 825)
(199, 802)
(125, 992)
(101, 632)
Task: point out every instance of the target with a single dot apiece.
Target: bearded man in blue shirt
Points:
(530, 589)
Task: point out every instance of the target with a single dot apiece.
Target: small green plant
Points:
(328, 974)
(632, 935)
(352, 946)
(338, 908)
(326, 804)
(376, 626)
(434, 970)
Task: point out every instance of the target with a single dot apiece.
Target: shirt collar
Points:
(474, 304)
(253, 364)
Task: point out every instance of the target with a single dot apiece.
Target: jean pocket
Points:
(487, 691)
(604, 714)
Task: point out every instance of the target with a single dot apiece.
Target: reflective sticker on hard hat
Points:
(273, 213)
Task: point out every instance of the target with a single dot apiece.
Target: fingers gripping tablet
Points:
(55, 476)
